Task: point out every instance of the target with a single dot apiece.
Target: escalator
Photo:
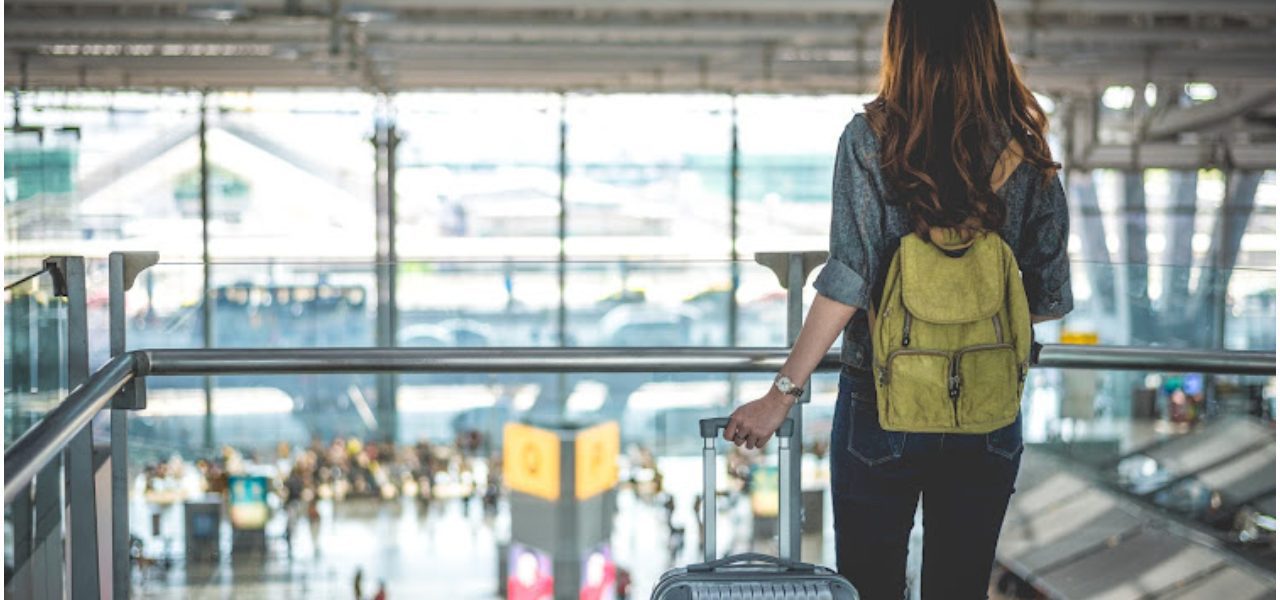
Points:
(1187, 517)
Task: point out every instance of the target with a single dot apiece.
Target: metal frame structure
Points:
(812, 46)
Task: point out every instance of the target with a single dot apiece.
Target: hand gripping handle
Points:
(710, 428)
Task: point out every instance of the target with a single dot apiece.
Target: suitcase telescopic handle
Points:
(710, 428)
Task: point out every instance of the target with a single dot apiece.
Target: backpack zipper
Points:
(953, 387)
(888, 360)
(906, 328)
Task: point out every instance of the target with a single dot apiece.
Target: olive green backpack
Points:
(952, 336)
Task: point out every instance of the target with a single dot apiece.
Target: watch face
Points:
(785, 385)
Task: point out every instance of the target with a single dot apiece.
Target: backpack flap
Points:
(952, 289)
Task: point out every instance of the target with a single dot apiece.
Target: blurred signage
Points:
(529, 574)
(531, 460)
(247, 503)
(1086, 338)
(596, 460)
(599, 575)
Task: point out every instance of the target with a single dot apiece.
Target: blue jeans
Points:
(878, 476)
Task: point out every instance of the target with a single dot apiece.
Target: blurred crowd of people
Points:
(345, 467)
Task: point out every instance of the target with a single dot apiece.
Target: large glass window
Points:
(1207, 237)
(90, 172)
(291, 239)
(647, 192)
(477, 219)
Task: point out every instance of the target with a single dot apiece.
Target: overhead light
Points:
(224, 13)
(1118, 97)
(1200, 91)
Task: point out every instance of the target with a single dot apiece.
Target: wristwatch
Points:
(784, 385)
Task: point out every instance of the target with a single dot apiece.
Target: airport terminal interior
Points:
(523, 191)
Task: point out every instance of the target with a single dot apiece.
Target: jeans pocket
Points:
(868, 442)
(1006, 442)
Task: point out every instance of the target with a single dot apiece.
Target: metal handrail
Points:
(41, 443)
(261, 361)
(1147, 358)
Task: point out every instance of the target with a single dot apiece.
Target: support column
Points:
(1135, 268)
(1178, 230)
(735, 270)
(562, 233)
(1239, 195)
(206, 305)
(1224, 250)
(385, 141)
(562, 226)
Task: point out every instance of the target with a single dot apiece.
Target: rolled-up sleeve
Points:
(1042, 253)
(856, 223)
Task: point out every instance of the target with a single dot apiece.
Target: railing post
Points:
(46, 571)
(123, 269)
(792, 269)
(20, 585)
(46, 557)
(83, 517)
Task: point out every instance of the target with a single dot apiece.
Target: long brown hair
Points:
(946, 84)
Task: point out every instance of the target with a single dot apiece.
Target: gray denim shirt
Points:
(865, 232)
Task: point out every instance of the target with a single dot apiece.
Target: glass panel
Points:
(277, 305)
(635, 303)
(35, 353)
(478, 303)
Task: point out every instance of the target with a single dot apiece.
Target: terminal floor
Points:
(443, 554)
(440, 552)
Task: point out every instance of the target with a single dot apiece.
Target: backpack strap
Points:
(954, 240)
(1006, 164)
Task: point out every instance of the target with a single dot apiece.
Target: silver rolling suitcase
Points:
(749, 576)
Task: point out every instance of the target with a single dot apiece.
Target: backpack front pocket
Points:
(988, 386)
(915, 393)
